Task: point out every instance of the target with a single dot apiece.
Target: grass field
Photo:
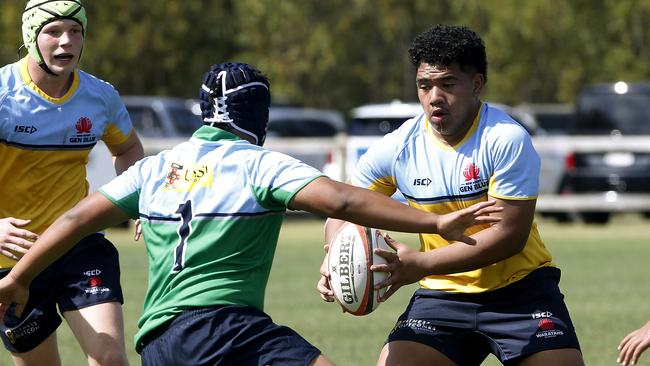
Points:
(604, 279)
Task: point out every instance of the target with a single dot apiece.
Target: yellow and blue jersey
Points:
(495, 158)
(45, 143)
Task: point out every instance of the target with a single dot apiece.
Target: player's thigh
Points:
(46, 353)
(322, 361)
(407, 353)
(555, 357)
(98, 328)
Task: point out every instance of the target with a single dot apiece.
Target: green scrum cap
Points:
(38, 13)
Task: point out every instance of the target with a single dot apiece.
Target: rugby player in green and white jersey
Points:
(211, 211)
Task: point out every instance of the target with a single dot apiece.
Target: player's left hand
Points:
(12, 292)
(633, 345)
(323, 285)
(402, 265)
(138, 230)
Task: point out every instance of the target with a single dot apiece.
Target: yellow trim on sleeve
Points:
(384, 185)
(114, 136)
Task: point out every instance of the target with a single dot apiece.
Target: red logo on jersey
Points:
(94, 281)
(471, 172)
(546, 324)
(83, 125)
(173, 174)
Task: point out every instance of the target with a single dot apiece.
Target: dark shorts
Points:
(226, 335)
(87, 275)
(513, 322)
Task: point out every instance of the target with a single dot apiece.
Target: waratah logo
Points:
(471, 172)
(546, 324)
(84, 125)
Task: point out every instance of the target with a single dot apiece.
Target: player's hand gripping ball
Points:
(349, 260)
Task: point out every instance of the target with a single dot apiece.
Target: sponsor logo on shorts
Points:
(95, 282)
(415, 324)
(541, 314)
(546, 329)
(21, 331)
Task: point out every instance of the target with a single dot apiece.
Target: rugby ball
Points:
(349, 260)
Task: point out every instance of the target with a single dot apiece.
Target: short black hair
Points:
(448, 44)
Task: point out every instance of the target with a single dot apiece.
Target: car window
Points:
(374, 126)
(555, 123)
(186, 122)
(604, 113)
(300, 128)
(145, 121)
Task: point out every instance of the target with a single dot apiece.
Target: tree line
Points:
(342, 53)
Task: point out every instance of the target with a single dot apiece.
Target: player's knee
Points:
(111, 356)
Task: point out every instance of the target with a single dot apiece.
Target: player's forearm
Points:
(493, 245)
(329, 198)
(52, 244)
(92, 214)
(127, 155)
(373, 209)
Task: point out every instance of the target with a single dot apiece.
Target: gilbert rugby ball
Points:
(350, 257)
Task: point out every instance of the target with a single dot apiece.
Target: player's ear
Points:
(478, 81)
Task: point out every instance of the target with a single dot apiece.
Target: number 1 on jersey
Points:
(185, 210)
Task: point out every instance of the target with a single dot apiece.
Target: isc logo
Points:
(25, 129)
(542, 314)
(421, 181)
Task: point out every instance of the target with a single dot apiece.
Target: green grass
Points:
(604, 272)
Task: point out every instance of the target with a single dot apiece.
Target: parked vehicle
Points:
(550, 118)
(615, 118)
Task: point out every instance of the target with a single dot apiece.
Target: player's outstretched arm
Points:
(330, 198)
(92, 214)
(633, 345)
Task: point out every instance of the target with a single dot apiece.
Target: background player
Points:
(51, 116)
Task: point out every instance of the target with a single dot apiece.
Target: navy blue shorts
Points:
(88, 274)
(226, 335)
(526, 317)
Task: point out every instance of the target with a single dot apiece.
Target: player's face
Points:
(450, 99)
(60, 43)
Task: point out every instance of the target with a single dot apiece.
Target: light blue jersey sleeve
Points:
(277, 177)
(375, 169)
(516, 164)
(124, 190)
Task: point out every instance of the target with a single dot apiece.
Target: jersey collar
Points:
(469, 133)
(214, 134)
(27, 79)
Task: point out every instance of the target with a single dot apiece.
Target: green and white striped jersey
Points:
(211, 211)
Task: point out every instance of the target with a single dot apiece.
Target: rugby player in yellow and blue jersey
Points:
(499, 295)
(51, 115)
(211, 210)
